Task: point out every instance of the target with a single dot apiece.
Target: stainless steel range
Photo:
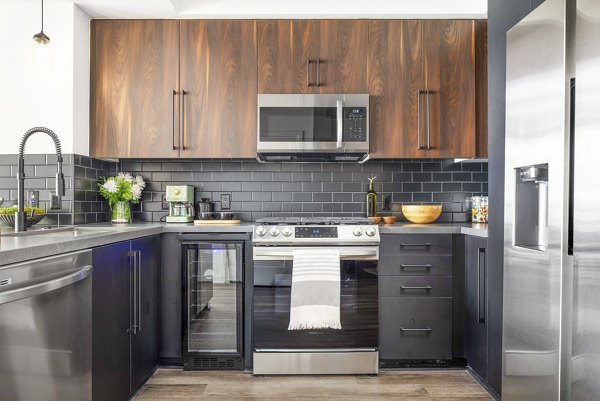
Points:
(349, 350)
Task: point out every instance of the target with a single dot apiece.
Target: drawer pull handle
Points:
(427, 266)
(426, 245)
(425, 287)
(426, 329)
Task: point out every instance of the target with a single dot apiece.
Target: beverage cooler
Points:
(213, 291)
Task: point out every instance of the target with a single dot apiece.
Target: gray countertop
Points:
(18, 249)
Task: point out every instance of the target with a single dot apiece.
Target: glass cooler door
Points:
(213, 297)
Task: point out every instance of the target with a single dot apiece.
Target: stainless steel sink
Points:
(62, 232)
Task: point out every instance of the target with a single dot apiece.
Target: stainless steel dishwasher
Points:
(46, 328)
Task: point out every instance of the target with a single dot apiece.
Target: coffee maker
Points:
(181, 203)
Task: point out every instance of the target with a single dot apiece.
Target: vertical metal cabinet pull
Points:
(481, 290)
(132, 296)
(139, 290)
(419, 146)
(173, 115)
(308, 63)
(428, 122)
(340, 122)
(318, 72)
(419, 119)
(183, 93)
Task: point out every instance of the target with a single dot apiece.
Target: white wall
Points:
(44, 85)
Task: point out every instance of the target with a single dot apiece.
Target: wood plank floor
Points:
(447, 385)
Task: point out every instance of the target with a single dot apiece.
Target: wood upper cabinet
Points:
(168, 89)
(134, 71)
(422, 86)
(312, 56)
(218, 88)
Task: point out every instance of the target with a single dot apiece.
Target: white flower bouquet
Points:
(122, 188)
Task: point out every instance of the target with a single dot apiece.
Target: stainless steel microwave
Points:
(319, 128)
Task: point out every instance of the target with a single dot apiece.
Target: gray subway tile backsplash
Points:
(314, 189)
(257, 189)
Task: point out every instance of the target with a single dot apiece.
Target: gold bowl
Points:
(421, 214)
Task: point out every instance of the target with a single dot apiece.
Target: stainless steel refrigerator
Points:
(551, 323)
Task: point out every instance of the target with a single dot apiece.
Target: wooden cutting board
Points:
(216, 222)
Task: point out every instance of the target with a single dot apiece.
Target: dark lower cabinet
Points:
(125, 298)
(476, 327)
(415, 299)
(110, 322)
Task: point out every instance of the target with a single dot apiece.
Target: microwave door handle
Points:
(340, 122)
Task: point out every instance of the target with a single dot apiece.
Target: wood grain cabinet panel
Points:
(218, 86)
(312, 56)
(422, 83)
(134, 72)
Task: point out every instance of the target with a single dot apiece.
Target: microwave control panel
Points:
(355, 124)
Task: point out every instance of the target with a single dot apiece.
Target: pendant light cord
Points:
(42, 15)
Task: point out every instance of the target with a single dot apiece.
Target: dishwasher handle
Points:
(47, 286)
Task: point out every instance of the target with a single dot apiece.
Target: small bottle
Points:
(371, 199)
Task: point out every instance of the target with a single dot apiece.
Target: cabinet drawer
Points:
(415, 328)
(415, 265)
(415, 286)
(416, 244)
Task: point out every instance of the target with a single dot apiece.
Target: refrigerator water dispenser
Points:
(531, 207)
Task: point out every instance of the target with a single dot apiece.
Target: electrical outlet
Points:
(225, 201)
(386, 202)
(165, 204)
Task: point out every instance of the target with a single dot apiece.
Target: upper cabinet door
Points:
(395, 63)
(218, 88)
(134, 71)
(448, 121)
(342, 63)
(312, 56)
(287, 54)
(422, 86)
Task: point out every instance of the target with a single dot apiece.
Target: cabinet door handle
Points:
(139, 290)
(425, 287)
(132, 292)
(308, 63)
(419, 93)
(426, 267)
(173, 115)
(318, 72)
(426, 330)
(428, 92)
(481, 290)
(183, 93)
(426, 245)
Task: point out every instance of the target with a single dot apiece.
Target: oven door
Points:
(313, 123)
(358, 303)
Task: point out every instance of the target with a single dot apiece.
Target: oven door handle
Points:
(354, 253)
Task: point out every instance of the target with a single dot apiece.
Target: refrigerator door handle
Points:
(571, 167)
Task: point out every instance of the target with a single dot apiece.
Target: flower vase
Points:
(121, 212)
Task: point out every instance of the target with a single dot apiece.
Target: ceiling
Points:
(278, 8)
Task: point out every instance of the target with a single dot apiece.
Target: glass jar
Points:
(479, 209)
(121, 212)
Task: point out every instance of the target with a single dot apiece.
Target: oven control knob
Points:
(287, 232)
(370, 231)
(357, 231)
(260, 231)
(274, 231)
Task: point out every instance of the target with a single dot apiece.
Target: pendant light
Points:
(41, 37)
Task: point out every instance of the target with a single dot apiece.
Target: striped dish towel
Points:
(315, 301)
